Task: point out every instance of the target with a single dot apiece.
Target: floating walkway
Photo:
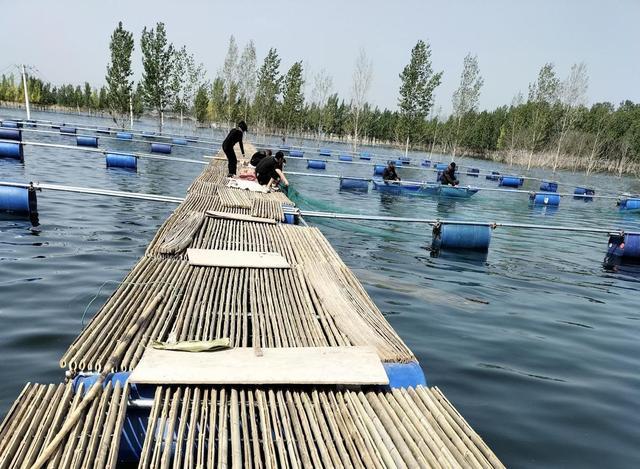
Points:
(309, 304)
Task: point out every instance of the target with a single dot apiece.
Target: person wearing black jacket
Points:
(389, 173)
(234, 136)
(258, 156)
(449, 176)
(269, 170)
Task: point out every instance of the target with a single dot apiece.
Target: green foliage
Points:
(201, 104)
(292, 98)
(118, 78)
(268, 89)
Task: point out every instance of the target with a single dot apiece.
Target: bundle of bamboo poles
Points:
(181, 235)
(39, 414)
(275, 427)
(264, 208)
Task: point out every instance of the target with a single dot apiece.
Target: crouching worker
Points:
(449, 176)
(389, 173)
(270, 171)
(259, 156)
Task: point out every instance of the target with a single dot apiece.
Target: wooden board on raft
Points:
(229, 258)
(284, 365)
(239, 216)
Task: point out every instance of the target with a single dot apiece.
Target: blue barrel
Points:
(316, 164)
(494, 176)
(124, 136)
(378, 170)
(354, 184)
(87, 141)
(405, 375)
(161, 148)
(545, 198)
(11, 150)
(582, 193)
(345, 158)
(461, 237)
(629, 204)
(148, 134)
(324, 152)
(11, 134)
(15, 200)
(179, 141)
(473, 172)
(549, 186)
(121, 160)
(631, 246)
(365, 156)
(405, 162)
(10, 124)
(56, 126)
(192, 139)
(510, 181)
(426, 163)
(289, 218)
(625, 246)
(441, 166)
(65, 129)
(296, 153)
(103, 130)
(31, 123)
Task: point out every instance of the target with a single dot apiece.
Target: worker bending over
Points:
(448, 177)
(270, 171)
(234, 136)
(389, 173)
(258, 156)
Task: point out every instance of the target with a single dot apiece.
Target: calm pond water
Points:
(536, 344)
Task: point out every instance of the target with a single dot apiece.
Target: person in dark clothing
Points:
(258, 156)
(270, 170)
(389, 173)
(448, 177)
(234, 136)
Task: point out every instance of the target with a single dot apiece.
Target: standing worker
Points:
(234, 136)
(449, 176)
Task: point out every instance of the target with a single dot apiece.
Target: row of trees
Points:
(552, 125)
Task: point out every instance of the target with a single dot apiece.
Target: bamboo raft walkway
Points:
(317, 302)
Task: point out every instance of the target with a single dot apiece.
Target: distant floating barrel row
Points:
(103, 130)
(87, 141)
(11, 124)
(296, 153)
(629, 204)
(354, 184)
(65, 129)
(441, 166)
(583, 193)
(316, 164)
(426, 163)
(10, 134)
(12, 150)
(461, 237)
(473, 172)
(324, 152)
(545, 198)
(179, 141)
(124, 136)
(494, 176)
(511, 181)
(365, 156)
(164, 148)
(345, 158)
(148, 134)
(549, 186)
(121, 160)
(18, 200)
(378, 170)
(192, 139)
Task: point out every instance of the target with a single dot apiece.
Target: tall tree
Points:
(268, 89)
(465, 98)
(157, 62)
(187, 79)
(322, 84)
(201, 104)
(573, 95)
(362, 75)
(119, 82)
(543, 93)
(216, 103)
(230, 76)
(418, 81)
(248, 71)
(292, 98)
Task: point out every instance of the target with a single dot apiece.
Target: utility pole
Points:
(131, 110)
(26, 93)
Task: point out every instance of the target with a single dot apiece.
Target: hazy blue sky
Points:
(68, 41)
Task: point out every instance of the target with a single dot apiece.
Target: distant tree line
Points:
(551, 126)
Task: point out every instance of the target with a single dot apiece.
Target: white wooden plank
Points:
(240, 216)
(228, 258)
(287, 365)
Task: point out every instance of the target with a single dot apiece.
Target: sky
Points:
(69, 42)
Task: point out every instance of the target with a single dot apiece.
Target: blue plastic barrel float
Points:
(365, 156)
(425, 163)
(121, 160)
(583, 193)
(354, 184)
(124, 136)
(148, 134)
(65, 129)
(510, 181)
(12, 150)
(461, 237)
(87, 141)
(545, 198)
(632, 204)
(296, 153)
(10, 134)
(11, 124)
(378, 170)
(31, 124)
(549, 186)
(324, 152)
(179, 141)
(405, 375)
(18, 200)
(405, 161)
(622, 248)
(494, 176)
(192, 139)
(316, 164)
(473, 172)
(164, 148)
(441, 166)
(345, 158)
